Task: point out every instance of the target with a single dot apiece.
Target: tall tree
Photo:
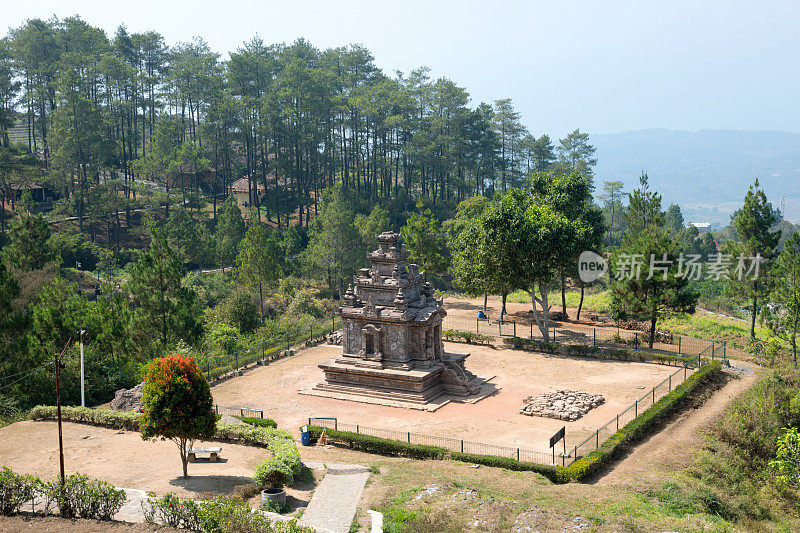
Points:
(647, 281)
(576, 154)
(426, 241)
(756, 243)
(785, 318)
(164, 307)
(258, 262)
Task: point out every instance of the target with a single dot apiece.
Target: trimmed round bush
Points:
(274, 473)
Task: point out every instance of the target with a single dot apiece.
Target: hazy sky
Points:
(602, 67)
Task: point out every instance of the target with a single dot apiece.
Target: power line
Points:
(25, 376)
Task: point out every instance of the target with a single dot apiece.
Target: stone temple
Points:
(392, 351)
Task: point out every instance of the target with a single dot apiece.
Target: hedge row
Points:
(279, 442)
(86, 415)
(259, 422)
(396, 448)
(466, 336)
(641, 425)
(577, 471)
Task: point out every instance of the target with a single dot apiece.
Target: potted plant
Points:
(273, 474)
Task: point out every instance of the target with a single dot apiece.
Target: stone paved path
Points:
(335, 499)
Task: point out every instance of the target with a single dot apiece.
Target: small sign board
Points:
(558, 436)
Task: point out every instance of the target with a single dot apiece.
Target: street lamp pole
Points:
(83, 389)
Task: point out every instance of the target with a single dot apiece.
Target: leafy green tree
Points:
(334, 244)
(753, 224)
(648, 282)
(188, 236)
(369, 226)
(571, 195)
(529, 240)
(164, 308)
(613, 209)
(177, 404)
(16, 167)
(258, 262)
(229, 232)
(239, 311)
(784, 318)
(426, 241)
(28, 248)
(576, 154)
(674, 218)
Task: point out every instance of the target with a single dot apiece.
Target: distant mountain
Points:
(706, 172)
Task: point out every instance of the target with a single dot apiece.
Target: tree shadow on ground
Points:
(216, 484)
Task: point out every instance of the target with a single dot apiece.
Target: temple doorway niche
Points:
(371, 341)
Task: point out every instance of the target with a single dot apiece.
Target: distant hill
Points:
(706, 172)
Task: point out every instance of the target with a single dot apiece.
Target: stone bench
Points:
(213, 453)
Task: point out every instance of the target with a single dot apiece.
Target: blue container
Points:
(305, 438)
(481, 315)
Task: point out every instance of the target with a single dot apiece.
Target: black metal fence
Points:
(238, 411)
(593, 441)
(454, 445)
(264, 352)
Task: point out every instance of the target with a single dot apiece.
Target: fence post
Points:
(336, 424)
(333, 324)
(518, 454)
(636, 409)
(575, 455)
(236, 358)
(262, 413)
(216, 409)
(684, 372)
(617, 421)
(409, 437)
(654, 395)
(594, 336)
(500, 328)
(515, 329)
(356, 428)
(241, 412)
(596, 439)
(477, 324)
(679, 346)
(670, 383)
(531, 331)
(311, 329)
(462, 445)
(287, 342)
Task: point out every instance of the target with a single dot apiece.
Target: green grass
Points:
(596, 301)
(702, 325)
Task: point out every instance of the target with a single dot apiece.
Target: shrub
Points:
(171, 511)
(220, 515)
(259, 422)
(82, 497)
(274, 473)
(15, 490)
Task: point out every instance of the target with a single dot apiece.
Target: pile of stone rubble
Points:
(561, 404)
(335, 338)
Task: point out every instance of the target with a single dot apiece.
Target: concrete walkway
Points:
(336, 498)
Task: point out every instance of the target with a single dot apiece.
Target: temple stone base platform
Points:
(409, 389)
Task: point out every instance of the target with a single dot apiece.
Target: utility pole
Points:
(59, 365)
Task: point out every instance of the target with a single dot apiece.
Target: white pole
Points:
(83, 400)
